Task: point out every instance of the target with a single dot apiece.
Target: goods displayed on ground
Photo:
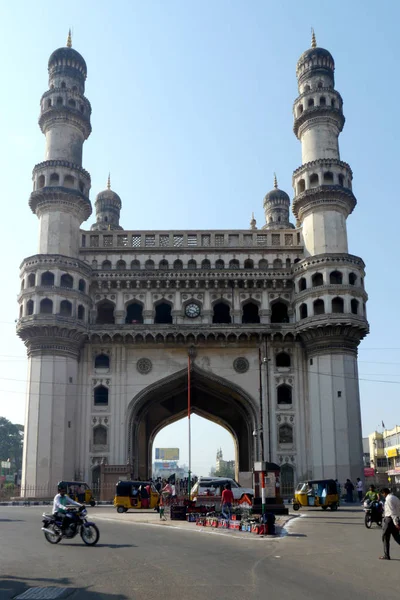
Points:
(241, 518)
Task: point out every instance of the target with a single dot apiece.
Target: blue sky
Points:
(192, 115)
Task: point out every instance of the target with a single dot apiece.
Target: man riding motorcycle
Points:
(372, 500)
(60, 504)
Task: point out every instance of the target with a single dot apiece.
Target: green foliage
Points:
(11, 441)
(227, 470)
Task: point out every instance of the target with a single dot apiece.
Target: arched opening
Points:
(287, 481)
(322, 101)
(212, 397)
(149, 265)
(328, 177)
(63, 85)
(96, 474)
(47, 278)
(105, 313)
(310, 103)
(354, 306)
(300, 109)
(66, 281)
(277, 264)
(341, 179)
(72, 103)
(81, 312)
(163, 265)
(54, 179)
(65, 308)
(335, 278)
(285, 434)
(163, 314)
(279, 313)
(337, 305)
(82, 285)
(250, 313)
(102, 361)
(314, 180)
(288, 263)
(282, 359)
(30, 307)
(135, 265)
(284, 394)
(121, 265)
(46, 306)
(301, 186)
(99, 435)
(134, 313)
(319, 307)
(206, 264)
(307, 88)
(333, 103)
(59, 101)
(352, 278)
(219, 264)
(320, 85)
(48, 103)
(221, 313)
(178, 265)
(100, 396)
(41, 181)
(192, 264)
(248, 263)
(234, 264)
(263, 264)
(317, 279)
(106, 266)
(302, 284)
(69, 181)
(303, 311)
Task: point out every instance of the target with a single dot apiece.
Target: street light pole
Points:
(189, 430)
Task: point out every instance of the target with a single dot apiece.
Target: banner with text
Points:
(167, 453)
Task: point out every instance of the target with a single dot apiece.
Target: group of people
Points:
(349, 487)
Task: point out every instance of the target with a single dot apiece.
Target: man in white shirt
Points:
(60, 504)
(360, 489)
(391, 516)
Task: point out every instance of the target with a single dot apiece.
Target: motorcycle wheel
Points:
(368, 521)
(52, 538)
(90, 534)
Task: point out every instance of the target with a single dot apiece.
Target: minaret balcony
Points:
(53, 173)
(323, 171)
(316, 115)
(331, 289)
(336, 196)
(68, 199)
(66, 115)
(358, 322)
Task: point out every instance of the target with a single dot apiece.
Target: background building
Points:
(270, 317)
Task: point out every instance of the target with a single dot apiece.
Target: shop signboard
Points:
(167, 453)
(369, 472)
(391, 452)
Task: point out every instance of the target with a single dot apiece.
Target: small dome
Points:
(317, 52)
(67, 56)
(108, 196)
(276, 194)
(313, 61)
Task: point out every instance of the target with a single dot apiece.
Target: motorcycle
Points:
(373, 514)
(53, 532)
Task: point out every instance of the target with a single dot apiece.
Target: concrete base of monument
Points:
(274, 505)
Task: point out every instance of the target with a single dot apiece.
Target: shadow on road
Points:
(12, 586)
(12, 520)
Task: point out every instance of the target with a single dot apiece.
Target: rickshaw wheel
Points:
(120, 509)
(334, 506)
(324, 507)
(296, 506)
(92, 503)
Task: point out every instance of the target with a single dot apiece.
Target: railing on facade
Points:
(201, 240)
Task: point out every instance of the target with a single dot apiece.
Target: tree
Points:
(11, 441)
(227, 469)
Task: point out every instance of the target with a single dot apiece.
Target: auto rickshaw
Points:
(127, 495)
(78, 491)
(320, 493)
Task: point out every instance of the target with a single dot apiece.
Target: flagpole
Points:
(189, 432)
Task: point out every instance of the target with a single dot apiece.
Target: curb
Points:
(45, 503)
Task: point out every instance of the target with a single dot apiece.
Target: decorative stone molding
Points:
(329, 260)
(48, 262)
(144, 366)
(51, 335)
(343, 336)
(66, 199)
(241, 364)
(342, 198)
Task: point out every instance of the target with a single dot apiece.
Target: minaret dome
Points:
(276, 208)
(108, 208)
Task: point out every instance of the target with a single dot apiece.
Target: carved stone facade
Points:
(271, 318)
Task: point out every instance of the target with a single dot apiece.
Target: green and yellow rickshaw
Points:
(128, 495)
(321, 493)
(78, 491)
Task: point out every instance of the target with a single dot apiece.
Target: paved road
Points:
(325, 555)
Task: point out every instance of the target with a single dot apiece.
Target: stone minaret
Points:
(276, 208)
(108, 209)
(329, 282)
(54, 305)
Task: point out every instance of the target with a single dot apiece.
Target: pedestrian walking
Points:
(349, 487)
(391, 522)
(360, 489)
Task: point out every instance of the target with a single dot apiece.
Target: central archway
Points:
(212, 397)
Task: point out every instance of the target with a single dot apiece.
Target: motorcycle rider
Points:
(373, 498)
(60, 503)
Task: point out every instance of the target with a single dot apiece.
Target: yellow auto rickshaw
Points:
(128, 495)
(78, 491)
(320, 493)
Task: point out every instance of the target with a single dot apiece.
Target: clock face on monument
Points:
(192, 310)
